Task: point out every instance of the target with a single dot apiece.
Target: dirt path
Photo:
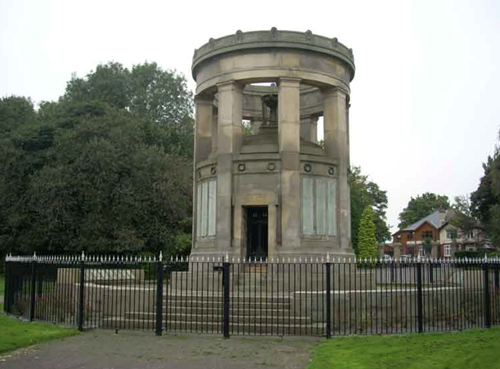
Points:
(127, 350)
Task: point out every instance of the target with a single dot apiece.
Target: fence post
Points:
(32, 288)
(328, 266)
(431, 272)
(6, 308)
(81, 294)
(159, 295)
(226, 298)
(419, 297)
(487, 302)
(497, 276)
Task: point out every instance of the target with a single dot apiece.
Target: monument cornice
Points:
(262, 40)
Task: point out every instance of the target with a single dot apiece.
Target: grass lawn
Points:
(478, 349)
(15, 334)
(2, 284)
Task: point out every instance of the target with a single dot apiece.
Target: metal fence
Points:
(241, 297)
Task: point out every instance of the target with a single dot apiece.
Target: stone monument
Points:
(263, 185)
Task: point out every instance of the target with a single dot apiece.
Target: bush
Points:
(469, 254)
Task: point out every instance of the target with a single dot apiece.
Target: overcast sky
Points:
(425, 99)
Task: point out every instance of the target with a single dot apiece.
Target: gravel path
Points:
(127, 350)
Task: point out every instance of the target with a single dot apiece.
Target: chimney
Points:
(442, 215)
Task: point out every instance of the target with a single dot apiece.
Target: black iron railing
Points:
(318, 297)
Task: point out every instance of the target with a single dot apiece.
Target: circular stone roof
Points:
(273, 38)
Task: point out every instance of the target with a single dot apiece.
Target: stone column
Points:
(214, 133)
(314, 128)
(397, 250)
(305, 129)
(289, 147)
(337, 148)
(271, 231)
(228, 144)
(203, 128)
(435, 250)
(202, 145)
(309, 128)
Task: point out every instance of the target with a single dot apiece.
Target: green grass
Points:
(2, 284)
(478, 349)
(15, 334)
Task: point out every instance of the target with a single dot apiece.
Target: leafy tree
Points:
(484, 198)
(464, 218)
(15, 111)
(106, 190)
(366, 193)
(148, 91)
(107, 168)
(485, 201)
(367, 247)
(421, 206)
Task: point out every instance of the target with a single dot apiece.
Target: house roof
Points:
(433, 218)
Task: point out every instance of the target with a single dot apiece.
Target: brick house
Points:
(437, 227)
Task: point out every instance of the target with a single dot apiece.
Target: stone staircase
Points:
(202, 312)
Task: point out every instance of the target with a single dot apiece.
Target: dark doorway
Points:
(257, 232)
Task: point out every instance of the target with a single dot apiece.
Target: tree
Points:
(464, 218)
(367, 247)
(485, 201)
(366, 193)
(15, 111)
(148, 91)
(421, 206)
(107, 168)
(107, 190)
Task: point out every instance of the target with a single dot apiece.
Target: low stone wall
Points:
(443, 308)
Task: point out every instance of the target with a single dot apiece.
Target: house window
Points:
(451, 234)
(398, 238)
(318, 206)
(447, 251)
(427, 234)
(469, 234)
(410, 236)
(206, 201)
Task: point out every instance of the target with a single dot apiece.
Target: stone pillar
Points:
(256, 123)
(271, 230)
(202, 145)
(435, 250)
(203, 128)
(336, 147)
(228, 143)
(397, 250)
(309, 128)
(289, 147)
(314, 128)
(214, 133)
(305, 129)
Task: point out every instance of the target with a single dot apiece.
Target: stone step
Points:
(235, 298)
(217, 318)
(234, 305)
(218, 310)
(278, 329)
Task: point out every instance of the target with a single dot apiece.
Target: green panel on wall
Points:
(332, 221)
(198, 211)
(320, 207)
(307, 206)
(212, 191)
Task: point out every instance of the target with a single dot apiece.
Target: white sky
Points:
(425, 99)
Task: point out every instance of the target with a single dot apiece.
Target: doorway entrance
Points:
(257, 232)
